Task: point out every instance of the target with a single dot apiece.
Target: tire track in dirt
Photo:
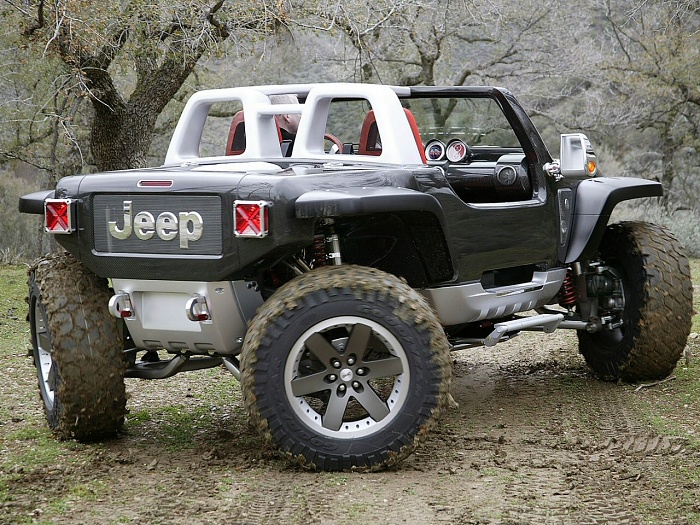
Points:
(535, 440)
(541, 443)
(613, 450)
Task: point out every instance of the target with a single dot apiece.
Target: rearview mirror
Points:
(577, 156)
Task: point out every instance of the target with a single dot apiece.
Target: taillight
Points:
(58, 215)
(250, 218)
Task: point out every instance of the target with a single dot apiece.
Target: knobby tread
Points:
(86, 347)
(658, 278)
(364, 284)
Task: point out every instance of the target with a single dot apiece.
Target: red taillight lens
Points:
(155, 183)
(250, 218)
(58, 215)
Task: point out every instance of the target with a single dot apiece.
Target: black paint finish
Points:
(445, 239)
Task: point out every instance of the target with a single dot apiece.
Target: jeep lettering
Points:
(167, 225)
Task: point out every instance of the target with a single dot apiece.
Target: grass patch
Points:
(13, 307)
(673, 408)
(37, 448)
(90, 490)
(356, 510)
(176, 426)
(207, 409)
(695, 275)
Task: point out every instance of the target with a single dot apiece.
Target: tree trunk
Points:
(121, 137)
(122, 130)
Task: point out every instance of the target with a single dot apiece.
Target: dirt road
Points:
(535, 440)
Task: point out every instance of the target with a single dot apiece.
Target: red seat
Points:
(235, 144)
(371, 143)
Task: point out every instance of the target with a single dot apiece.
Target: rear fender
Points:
(595, 201)
(365, 201)
(421, 215)
(34, 202)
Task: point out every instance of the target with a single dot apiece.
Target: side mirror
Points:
(577, 156)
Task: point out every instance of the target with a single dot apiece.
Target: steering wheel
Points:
(337, 144)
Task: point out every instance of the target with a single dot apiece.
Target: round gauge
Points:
(507, 175)
(434, 150)
(457, 151)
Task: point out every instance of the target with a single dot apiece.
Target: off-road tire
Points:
(275, 352)
(658, 305)
(81, 379)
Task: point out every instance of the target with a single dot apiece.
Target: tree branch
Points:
(38, 23)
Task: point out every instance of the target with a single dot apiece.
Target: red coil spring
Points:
(319, 250)
(567, 295)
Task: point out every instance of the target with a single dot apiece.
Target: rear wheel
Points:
(77, 348)
(345, 368)
(650, 306)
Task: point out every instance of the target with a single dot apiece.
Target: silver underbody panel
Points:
(470, 302)
(160, 319)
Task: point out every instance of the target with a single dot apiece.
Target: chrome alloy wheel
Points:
(347, 377)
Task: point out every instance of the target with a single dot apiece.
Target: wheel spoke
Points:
(359, 337)
(333, 418)
(391, 366)
(43, 341)
(310, 384)
(52, 380)
(372, 403)
(321, 348)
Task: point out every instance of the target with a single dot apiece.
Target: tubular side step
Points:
(165, 369)
(548, 322)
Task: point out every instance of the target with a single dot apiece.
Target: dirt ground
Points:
(535, 440)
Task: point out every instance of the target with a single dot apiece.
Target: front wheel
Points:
(650, 321)
(345, 368)
(77, 347)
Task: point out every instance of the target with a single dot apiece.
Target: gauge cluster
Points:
(456, 151)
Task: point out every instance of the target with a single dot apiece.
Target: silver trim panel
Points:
(471, 302)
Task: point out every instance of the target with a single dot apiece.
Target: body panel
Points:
(595, 200)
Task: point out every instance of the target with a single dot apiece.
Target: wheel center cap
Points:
(346, 374)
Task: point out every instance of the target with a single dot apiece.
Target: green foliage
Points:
(695, 273)
(85, 91)
(21, 236)
(683, 223)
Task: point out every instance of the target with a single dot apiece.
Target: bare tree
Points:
(636, 89)
(449, 42)
(655, 67)
(129, 60)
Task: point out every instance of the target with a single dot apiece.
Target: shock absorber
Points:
(332, 242)
(320, 254)
(326, 245)
(567, 294)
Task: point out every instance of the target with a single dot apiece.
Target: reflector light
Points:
(197, 309)
(120, 305)
(591, 166)
(58, 216)
(155, 183)
(250, 218)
